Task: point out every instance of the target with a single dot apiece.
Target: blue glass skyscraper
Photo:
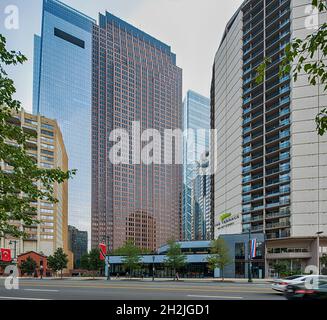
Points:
(63, 91)
(196, 118)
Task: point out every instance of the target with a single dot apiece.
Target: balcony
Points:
(257, 228)
(284, 145)
(278, 214)
(256, 218)
(278, 225)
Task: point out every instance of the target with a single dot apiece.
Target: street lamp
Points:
(153, 258)
(318, 250)
(14, 242)
(250, 259)
(107, 258)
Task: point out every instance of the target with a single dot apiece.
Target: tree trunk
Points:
(61, 274)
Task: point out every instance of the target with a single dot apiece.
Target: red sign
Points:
(103, 251)
(5, 255)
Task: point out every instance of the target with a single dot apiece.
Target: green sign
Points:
(225, 216)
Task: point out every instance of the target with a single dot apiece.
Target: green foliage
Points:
(220, 257)
(281, 268)
(58, 261)
(175, 258)
(92, 262)
(306, 56)
(323, 260)
(18, 188)
(261, 70)
(131, 256)
(28, 266)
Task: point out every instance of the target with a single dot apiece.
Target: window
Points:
(240, 250)
(69, 38)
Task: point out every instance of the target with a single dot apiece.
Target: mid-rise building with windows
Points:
(77, 243)
(46, 147)
(270, 163)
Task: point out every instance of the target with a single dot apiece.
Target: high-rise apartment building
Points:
(46, 147)
(270, 163)
(135, 79)
(77, 243)
(62, 91)
(196, 119)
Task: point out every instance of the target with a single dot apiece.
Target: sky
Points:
(193, 29)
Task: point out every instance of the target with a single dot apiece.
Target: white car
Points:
(281, 284)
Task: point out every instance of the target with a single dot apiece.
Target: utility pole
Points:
(107, 260)
(250, 259)
(15, 247)
(153, 269)
(318, 250)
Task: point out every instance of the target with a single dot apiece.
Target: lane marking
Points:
(21, 298)
(216, 297)
(229, 290)
(41, 290)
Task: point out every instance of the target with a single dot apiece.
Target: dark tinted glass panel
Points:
(68, 37)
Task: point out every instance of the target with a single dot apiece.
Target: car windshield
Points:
(292, 278)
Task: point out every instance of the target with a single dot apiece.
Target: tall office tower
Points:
(46, 147)
(270, 162)
(196, 118)
(77, 243)
(62, 91)
(135, 78)
(201, 201)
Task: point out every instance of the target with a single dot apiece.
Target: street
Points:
(56, 289)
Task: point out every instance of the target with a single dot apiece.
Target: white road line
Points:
(216, 297)
(41, 290)
(21, 298)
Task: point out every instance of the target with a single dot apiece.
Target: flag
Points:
(253, 248)
(103, 251)
(5, 255)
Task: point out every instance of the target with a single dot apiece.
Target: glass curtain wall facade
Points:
(62, 91)
(135, 78)
(202, 226)
(196, 116)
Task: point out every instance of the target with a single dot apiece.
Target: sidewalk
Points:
(123, 279)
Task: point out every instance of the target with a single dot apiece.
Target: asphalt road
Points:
(135, 290)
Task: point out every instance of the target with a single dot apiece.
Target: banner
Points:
(253, 248)
(5, 255)
(103, 251)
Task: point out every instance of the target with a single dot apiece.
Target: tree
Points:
(219, 256)
(175, 258)
(58, 261)
(19, 188)
(131, 256)
(92, 261)
(281, 268)
(28, 266)
(323, 261)
(308, 56)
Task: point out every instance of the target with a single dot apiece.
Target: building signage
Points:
(227, 219)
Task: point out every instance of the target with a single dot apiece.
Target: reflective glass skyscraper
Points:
(135, 78)
(196, 117)
(62, 91)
